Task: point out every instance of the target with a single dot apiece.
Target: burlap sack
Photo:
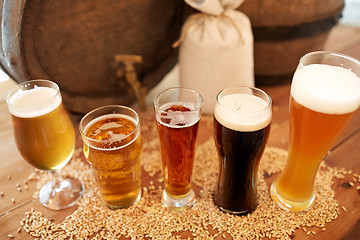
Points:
(216, 49)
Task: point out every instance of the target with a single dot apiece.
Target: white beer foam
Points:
(243, 112)
(34, 102)
(327, 89)
(185, 119)
(113, 137)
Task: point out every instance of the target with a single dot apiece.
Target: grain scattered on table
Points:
(150, 219)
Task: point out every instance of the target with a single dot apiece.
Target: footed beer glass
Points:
(45, 137)
(325, 93)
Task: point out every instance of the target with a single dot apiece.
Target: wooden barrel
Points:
(94, 50)
(285, 30)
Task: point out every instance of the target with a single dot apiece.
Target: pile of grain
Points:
(150, 219)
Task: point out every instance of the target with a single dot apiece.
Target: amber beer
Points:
(177, 144)
(323, 100)
(43, 131)
(113, 146)
(178, 112)
(242, 119)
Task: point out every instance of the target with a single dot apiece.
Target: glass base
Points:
(60, 194)
(114, 207)
(235, 212)
(289, 205)
(179, 204)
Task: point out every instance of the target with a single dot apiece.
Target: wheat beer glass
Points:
(325, 93)
(113, 146)
(45, 137)
(178, 112)
(242, 119)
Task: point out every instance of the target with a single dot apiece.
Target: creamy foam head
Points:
(327, 89)
(34, 102)
(242, 112)
(177, 119)
(114, 137)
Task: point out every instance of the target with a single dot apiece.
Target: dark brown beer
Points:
(242, 122)
(177, 140)
(240, 154)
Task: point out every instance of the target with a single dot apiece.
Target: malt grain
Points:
(151, 220)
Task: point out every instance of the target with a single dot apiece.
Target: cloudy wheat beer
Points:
(112, 145)
(242, 119)
(45, 138)
(323, 99)
(177, 124)
(43, 131)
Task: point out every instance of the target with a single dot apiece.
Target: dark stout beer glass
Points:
(242, 119)
(178, 112)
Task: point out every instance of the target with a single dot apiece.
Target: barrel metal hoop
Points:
(286, 33)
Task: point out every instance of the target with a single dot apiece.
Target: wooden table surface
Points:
(344, 154)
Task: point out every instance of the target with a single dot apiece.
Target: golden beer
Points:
(323, 100)
(313, 133)
(113, 146)
(44, 135)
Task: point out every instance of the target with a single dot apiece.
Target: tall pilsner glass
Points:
(178, 112)
(325, 93)
(45, 138)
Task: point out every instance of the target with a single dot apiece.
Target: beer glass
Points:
(325, 93)
(242, 120)
(178, 112)
(45, 137)
(113, 146)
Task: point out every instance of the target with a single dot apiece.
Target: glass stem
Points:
(56, 174)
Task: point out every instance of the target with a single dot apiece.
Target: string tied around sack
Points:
(201, 15)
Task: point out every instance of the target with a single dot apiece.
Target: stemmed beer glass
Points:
(45, 137)
(325, 93)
